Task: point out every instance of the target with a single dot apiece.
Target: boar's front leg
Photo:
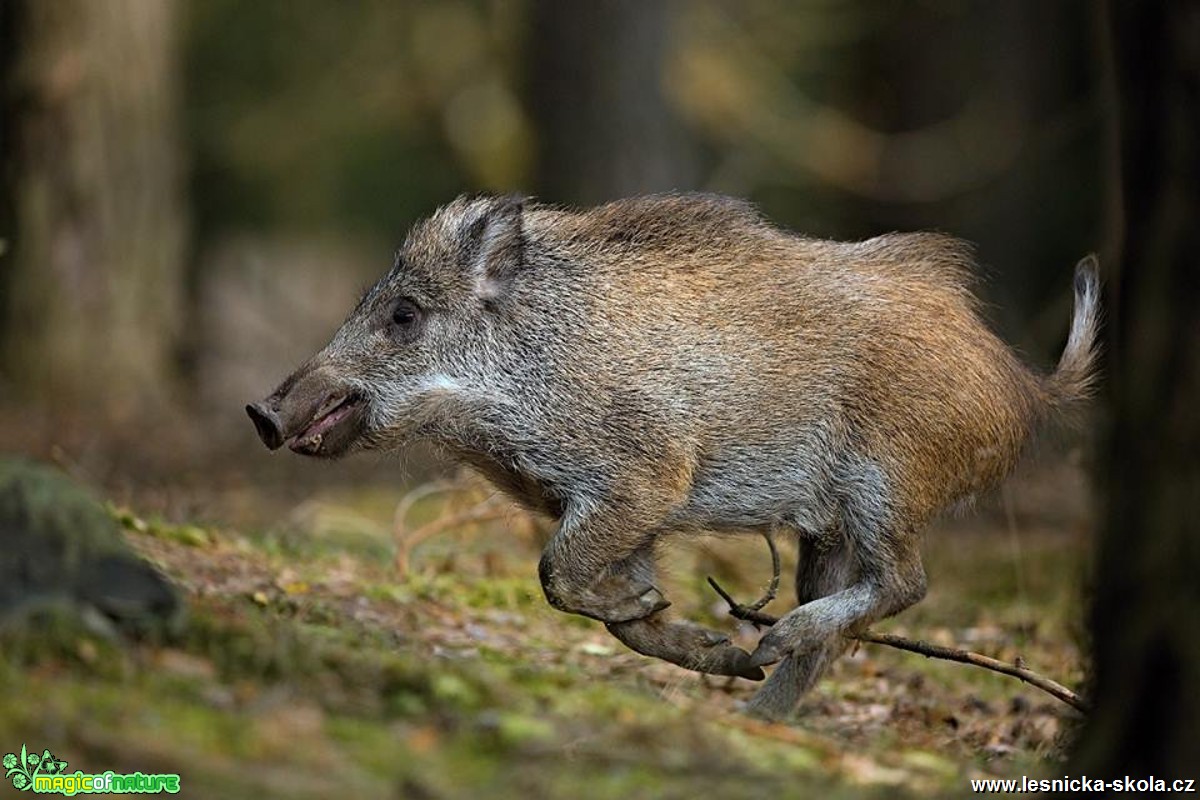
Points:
(601, 565)
(690, 646)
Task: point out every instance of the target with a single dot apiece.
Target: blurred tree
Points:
(1147, 651)
(595, 87)
(330, 121)
(94, 216)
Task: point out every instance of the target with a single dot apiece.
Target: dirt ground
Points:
(332, 651)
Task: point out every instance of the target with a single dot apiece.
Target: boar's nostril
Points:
(267, 424)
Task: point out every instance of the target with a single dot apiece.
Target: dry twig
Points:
(407, 540)
(753, 613)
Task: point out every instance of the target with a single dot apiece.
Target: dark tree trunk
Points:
(1146, 617)
(93, 212)
(606, 129)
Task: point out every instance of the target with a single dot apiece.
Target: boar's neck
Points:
(520, 486)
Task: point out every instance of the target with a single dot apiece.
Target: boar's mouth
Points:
(335, 425)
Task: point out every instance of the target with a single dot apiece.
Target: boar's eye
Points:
(405, 313)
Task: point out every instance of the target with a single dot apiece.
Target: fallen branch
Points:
(753, 613)
(1016, 670)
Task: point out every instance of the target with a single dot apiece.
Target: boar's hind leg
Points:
(885, 577)
(822, 571)
(890, 580)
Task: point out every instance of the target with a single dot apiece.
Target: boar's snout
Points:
(266, 423)
(319, 414)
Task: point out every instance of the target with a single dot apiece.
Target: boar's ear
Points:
(494, 245)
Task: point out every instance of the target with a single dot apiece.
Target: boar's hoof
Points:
(652, 601)
(736, 661)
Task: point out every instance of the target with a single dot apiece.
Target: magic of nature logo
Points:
(47, 774)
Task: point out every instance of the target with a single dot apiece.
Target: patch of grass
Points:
(190, 535)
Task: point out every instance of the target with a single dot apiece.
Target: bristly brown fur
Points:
(675, 363)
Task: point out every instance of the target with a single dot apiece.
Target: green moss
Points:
(38, 498)
(189, 535)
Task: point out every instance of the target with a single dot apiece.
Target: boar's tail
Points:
(1075, 377)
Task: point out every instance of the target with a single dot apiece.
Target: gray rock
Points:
(60, 549)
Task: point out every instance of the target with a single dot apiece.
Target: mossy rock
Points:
(61, 549)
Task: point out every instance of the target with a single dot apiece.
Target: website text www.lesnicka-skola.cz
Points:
(1081, 784)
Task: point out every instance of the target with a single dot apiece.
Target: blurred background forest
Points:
(192, 196)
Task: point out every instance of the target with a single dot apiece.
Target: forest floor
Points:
(311, 666)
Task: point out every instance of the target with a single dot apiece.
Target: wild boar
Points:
(677, 364)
